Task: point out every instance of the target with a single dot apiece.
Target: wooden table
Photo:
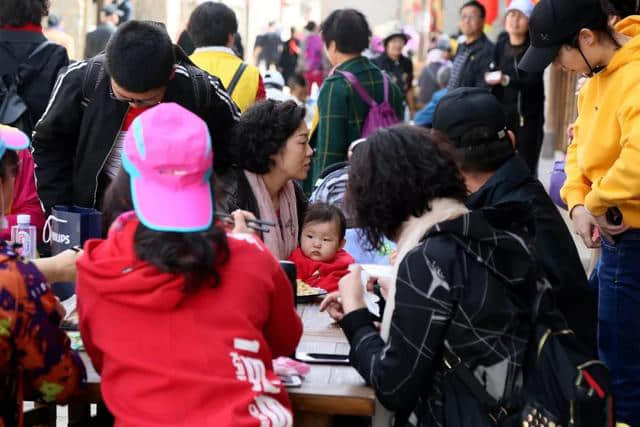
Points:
(328, 390)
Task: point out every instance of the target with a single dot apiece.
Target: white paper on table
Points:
(370, 299)
(70, 305)
(378, 271)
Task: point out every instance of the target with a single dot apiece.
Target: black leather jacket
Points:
(78, 130)
(556, 251)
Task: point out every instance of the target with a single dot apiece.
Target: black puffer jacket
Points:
(554, 245)
(469, 283)
(15, 47)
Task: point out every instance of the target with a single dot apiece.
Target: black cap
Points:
(554, 23)
(465, 108)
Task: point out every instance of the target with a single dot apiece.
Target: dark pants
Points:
(529, 140)
(619, 321)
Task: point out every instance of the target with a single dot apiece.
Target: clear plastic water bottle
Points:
(25, 234)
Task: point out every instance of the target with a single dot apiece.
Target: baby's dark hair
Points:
(297, 79)
(325, 212)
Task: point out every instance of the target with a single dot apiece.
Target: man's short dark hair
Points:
(324, 212)
(349, 29)
(140, 56)
(311, 26)
(477, 5)
(17, 13)
(479, 150)
(211, 24)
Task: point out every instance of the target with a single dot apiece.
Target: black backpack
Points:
(563, 384)
(14, 111)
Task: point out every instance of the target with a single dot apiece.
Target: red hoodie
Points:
(325, 275)
(25, 198)
(174, 359)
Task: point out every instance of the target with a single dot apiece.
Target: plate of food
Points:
(306, 293)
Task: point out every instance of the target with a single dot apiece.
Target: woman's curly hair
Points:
(262, 132)
(395, 174)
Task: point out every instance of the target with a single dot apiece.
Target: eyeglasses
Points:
(470, 17)
(148, 102)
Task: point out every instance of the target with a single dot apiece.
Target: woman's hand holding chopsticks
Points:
(245, 222)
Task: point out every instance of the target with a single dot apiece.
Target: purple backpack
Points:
(380, 115)
(558, 177)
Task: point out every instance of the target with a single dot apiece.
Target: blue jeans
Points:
(619, 321)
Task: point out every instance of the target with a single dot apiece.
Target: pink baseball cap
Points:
(167, 153)
(13, 139)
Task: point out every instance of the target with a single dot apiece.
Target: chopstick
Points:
(254, 224)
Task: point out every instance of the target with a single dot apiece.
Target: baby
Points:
(320, 260)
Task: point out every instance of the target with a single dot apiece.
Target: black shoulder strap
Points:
(454, 365)
(236, 78)
(92, 77)
(24, 67)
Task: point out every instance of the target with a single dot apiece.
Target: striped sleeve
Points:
(224, 96)
(219, 91)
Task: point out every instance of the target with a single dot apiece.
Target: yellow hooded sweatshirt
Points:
(603, 162)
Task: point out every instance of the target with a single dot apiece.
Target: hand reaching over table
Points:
(332, 304)
(60, 267)
(351, 291)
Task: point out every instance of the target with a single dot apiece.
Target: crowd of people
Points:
(208, 170)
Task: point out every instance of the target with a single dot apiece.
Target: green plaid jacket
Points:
(342, 113)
